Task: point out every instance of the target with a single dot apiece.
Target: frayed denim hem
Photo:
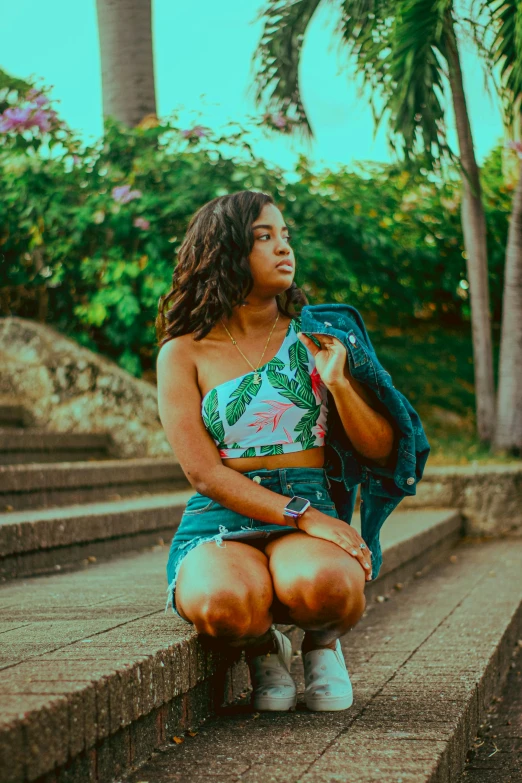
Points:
(190, 545)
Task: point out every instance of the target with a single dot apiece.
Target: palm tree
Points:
(405, 51)
(505, 51)
(125, 31)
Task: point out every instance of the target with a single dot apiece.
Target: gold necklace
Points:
(257, 376)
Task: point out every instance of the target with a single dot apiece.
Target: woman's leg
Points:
(321, 585)
(226, 592)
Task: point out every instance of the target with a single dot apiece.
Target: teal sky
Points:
(203, 52)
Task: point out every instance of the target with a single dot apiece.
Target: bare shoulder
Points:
(180, 348)
(176, 356)
(179, 407)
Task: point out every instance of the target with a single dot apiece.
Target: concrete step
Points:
(94, 675)
(13, 415)
(65, 483)
(42, 541)
(20, 445)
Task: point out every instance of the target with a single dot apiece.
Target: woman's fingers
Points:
(362, 555)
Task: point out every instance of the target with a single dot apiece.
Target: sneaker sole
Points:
(329, 703)
(271, 704)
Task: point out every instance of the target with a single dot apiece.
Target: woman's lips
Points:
(287, 267)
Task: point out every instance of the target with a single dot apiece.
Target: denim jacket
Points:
(382, 488)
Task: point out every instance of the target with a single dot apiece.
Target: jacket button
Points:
(257, 479)
(410, 480)
(352, 339)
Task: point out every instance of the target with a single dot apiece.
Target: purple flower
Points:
(37, 97)
(42, 119)
(517, 146)
(279, 120)
(122, 194)
(140, 222)
(197, 130)
(14, 117)
(20, 118)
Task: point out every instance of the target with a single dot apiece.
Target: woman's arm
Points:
(370, 433)
(368, 430)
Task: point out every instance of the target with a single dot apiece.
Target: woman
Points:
(242, 397)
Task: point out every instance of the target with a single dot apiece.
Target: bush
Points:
(88, 234)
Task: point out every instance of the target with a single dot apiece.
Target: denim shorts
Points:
(206, 520)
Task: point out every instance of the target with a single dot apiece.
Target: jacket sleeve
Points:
(411, 447)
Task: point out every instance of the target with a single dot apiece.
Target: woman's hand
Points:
(330, 358)
(315, 523)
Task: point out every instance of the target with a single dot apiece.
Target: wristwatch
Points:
(296, 507)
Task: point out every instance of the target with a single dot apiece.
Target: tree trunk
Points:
(125, 33)
(474, 230)
(508, 433)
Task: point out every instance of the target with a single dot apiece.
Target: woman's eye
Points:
(262, 236)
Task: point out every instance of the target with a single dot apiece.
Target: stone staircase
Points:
(96, 680)
(64, 499)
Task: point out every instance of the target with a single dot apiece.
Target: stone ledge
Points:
(41, 529)
(23, 445)
(69, 388)
(64, 483)
(488, 496)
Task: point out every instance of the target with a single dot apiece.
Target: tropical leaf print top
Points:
(284, 411)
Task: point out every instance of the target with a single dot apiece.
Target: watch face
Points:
(297, 504)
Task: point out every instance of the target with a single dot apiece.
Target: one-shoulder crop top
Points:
(284, 411)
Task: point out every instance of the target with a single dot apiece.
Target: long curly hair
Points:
(212, 274)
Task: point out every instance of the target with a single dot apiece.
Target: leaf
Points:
(274, 449)
(305, 425)
(251, 452)
(290, 388)
(211, 419)
(178, 740)
(275, 364)
(240, 398)
(298, 355)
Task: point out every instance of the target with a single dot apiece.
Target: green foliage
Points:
(93, 261)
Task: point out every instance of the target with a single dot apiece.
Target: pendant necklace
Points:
(257, 376)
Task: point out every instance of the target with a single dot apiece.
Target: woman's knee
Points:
(229, 598)
(231, 613)
(322, 591)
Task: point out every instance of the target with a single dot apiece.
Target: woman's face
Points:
(272, 261)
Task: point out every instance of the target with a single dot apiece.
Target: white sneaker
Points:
(272, 683)
(327, 681)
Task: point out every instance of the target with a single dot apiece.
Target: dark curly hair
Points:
(212, 274)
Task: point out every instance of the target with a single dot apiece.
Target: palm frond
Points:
(399, 51)
(275, 62)
(506, 50)
(416, 69)
(480, 33)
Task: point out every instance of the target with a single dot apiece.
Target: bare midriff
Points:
(309, 458)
